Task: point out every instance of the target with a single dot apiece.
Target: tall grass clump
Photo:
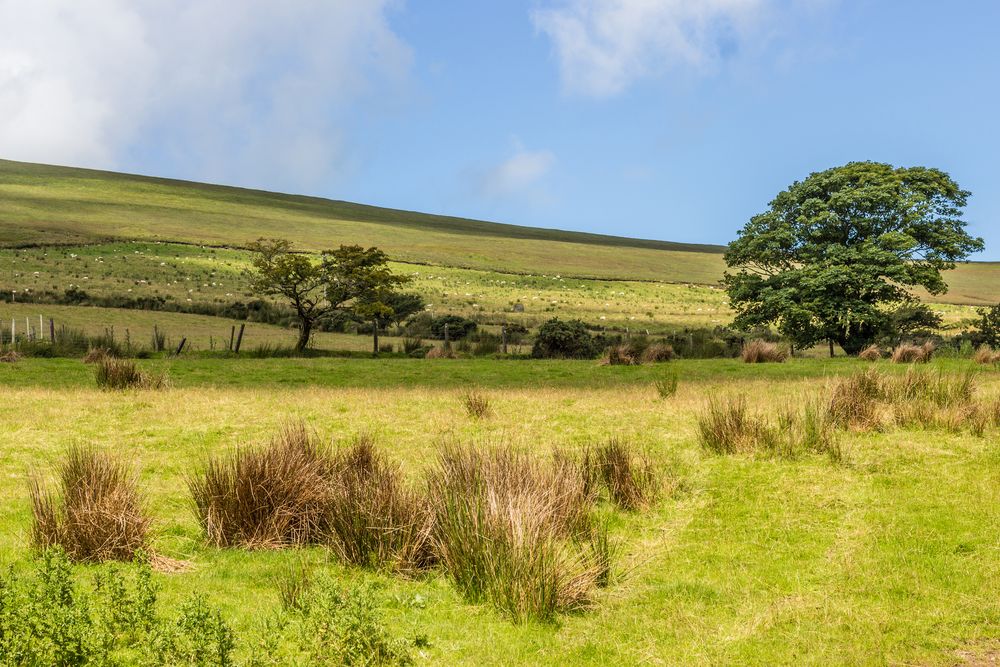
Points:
(628, 475)
(98, 513)
(855, 401)
(870, 353)
(657, 353)
(373, 519)
(114, 374)
(728, 426)
(985, 356)
(620, 355)
(477, 404)
(666, 386)
(266, 497)
(908, 353)
(761, 352)
(509, 531)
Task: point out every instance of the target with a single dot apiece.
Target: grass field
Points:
(890, 557)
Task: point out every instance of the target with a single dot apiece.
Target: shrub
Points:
(761, 351)
(114, 374)
(908, 353)
(988, 326)
(477, 404)
(411, 345)
(198, 636)
(667, 385)
(657, 353)
(99, 513)
(458, 327)
(273, 496)
(373, 519)
(628, 476)
(870, 353)
(346, 626)
(557, 339)
(620, 355)
(508, 531)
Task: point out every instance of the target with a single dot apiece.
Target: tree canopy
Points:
(350, 278)
(836, 254)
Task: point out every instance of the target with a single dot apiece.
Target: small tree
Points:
(348, 279)
(988, 325)
(564, 340)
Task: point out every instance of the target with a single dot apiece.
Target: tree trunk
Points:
(831, 348)
(374, 338)
(305, 331)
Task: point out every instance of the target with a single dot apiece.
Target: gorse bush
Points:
(509, 531)
(372, 518)
(98, 514)
(120, 374)
(761, 351)
(274, 496)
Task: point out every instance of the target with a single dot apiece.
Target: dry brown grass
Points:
(855, 401)
(985, 356)
(440, 353)
(9, 357)
(96, 355)
(266, 497)
(908, 353)
(870, 353)
(507, 529)
(114, 374)
(761, 351)
(477, 404)
(373, 519)
(99, 514)
(628, 475)
(620, 355)
(657, 353)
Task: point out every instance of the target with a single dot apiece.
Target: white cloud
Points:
(517, 174)
(603, 46)
(252, 92)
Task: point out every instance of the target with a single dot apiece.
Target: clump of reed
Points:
(657, 353)
(628, 475)
(114, 374)
(620, 355)
(761, 352)
(440, 353)
(985, 356)
(9, 357)
(97, 354)
(666, 386)
(729, 426)
(373, 519)
(908, 353)
(477, 404)
(266, 497)
(870, 353)
(515, 532)
(98, 513)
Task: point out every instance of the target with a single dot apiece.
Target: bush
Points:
(760, 352)
(373, 519)
(99, 513)
(274, 496)
(508, 531)
(114, 374)
(439, 353)
(907, 353)
(198, 636)
(458, 327)
(988, 326)
(557, 339)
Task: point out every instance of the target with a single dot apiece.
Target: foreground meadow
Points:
(890, 556)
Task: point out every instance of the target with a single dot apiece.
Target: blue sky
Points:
(667, 119)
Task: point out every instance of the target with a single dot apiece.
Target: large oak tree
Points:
(837, 253)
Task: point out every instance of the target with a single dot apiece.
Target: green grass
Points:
(891, 558)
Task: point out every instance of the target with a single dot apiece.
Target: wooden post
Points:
(52, 331)
(232, 337)
(239, 339)
(446, 343)
(503, 338)
(180, 347)
(41, 328)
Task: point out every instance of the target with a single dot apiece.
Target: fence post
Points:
(180, 347)
(446, 343)
(232, 337)
(239, 339)
(52, 331)
(503, 338)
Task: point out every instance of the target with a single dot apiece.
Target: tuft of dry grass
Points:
(477, 404)
(373, 519)
(620, 355)
(114, 374)
(508, 530)
(440, 353)
(96, 355)
(657, 353)
(761, 352)
(855, 401)
(870, 353)
(729, 427)
(266, 497)
(628, 475)
(99, 514)
(985, 356)
(908, 353)
(10, 357)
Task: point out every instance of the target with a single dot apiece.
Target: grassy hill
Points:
(44, 205)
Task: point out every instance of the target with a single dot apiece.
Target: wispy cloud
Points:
(603, 46)
(254, 92)
(518, 174)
